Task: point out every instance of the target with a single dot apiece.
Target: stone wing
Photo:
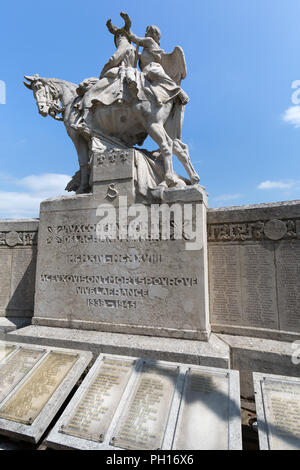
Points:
(174, 64)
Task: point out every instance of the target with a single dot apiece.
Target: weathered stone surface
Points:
(35, 384)
(254, 262)
(214, 353)
(278, 411)
(153, 409)
(154, 287)
(16, 367)
(94, 413)
(254, 355)
(213, 396)
(18, 240)
(243, 285)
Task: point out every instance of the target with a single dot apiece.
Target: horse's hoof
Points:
(83, 189)
(180, 184)
(171, 179)
(195, 180)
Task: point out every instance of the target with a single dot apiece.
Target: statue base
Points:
(123, 281)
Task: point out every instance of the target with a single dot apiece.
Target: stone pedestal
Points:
(150, 285)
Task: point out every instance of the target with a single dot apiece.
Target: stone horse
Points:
(54, 96)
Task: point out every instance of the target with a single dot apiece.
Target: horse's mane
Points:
(51, 82)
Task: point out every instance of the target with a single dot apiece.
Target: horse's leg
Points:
(83, 159)
(181, 150)
(165, 143)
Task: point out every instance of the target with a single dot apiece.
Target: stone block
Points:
(18, 239)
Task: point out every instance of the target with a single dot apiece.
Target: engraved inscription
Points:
(5, 351)
(243, 285)
(15, 369)
(203, 421)
(29, 400)
(259, 230)
(95, 411)
(288, 280)
(143, 422)
(116, 286)
(12, 239)
(282, 413)
(225, 284)
(259, 285)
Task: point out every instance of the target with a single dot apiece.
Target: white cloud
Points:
(292, 116)
(50, 183)
(35, 188)
(276, 185)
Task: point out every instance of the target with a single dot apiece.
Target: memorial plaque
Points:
(225, 284)
(278, 411)
(243, 285)
(156, 409)
(143, 423)
(5, 351)
(203, 421)
(97, 407)
(16, 368)
(259, 285)
(288, 279)
(29, 400)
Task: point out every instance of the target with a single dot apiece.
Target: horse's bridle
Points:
(51, 100)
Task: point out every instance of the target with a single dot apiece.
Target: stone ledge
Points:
(256, 355)
(265, 211)
(214, 353)
(12, 324)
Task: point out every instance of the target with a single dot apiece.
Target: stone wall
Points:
(253, 263)
(18, 245)
(254, 270)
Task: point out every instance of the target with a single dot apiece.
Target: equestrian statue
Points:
(125, 103)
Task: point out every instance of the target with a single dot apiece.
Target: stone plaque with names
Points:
(16, 368)
(35, 381)
(288, 284)
(95, 411)
(278, 411)
(143, 424)
(29, 400)
(225, 284)
(5, 350)
(164, 406)
(243, 290)
(205, 395)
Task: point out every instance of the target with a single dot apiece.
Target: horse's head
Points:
(45, 94)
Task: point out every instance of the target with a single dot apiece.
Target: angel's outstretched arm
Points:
(144, 42)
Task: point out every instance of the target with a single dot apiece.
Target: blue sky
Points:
(241, 125)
